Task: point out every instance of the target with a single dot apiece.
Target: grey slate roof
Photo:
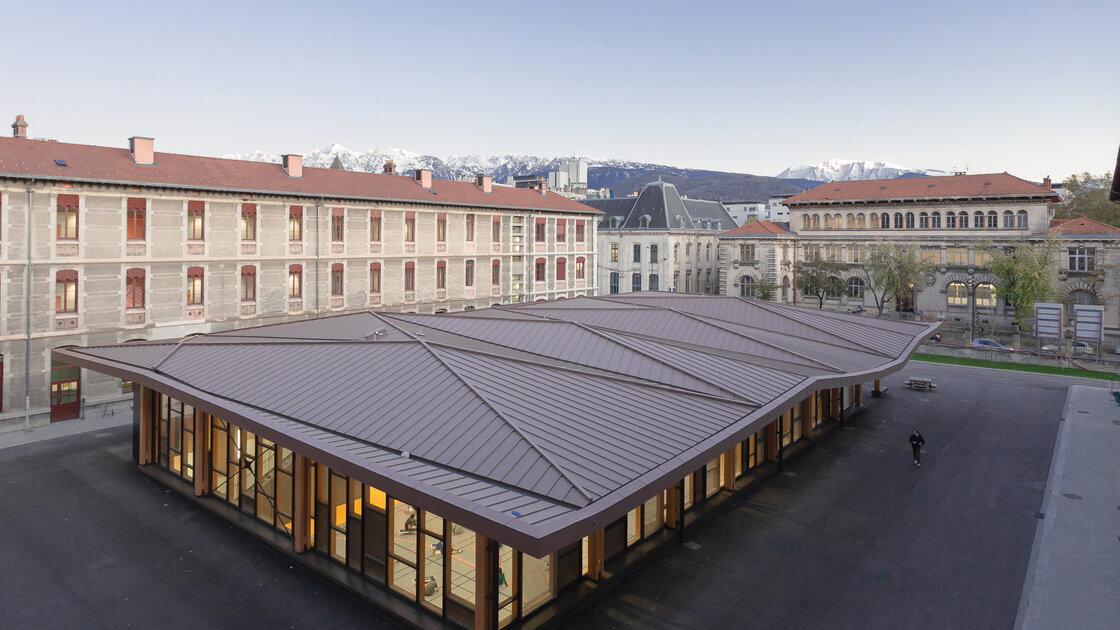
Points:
(661, 202)
(570, 412)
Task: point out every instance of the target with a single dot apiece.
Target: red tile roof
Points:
(1080, 225)
(759, 227)
(24, 158)
(984, 186)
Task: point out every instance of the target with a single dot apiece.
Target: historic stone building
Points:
(951, 222)
(659, 241)
(133, 244)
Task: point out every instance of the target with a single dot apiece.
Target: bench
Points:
(921, 382)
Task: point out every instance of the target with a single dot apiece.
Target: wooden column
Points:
(301, 503)
(673, 504)
(772, 440)
(834, 399)
(727, 469)
(595, 553)
(877, 390)
(807, 416)
(858, 397)
(485, 583)
(146, 426)
(201, 453)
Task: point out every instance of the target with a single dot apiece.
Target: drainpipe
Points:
(27, 320)
(318, 237)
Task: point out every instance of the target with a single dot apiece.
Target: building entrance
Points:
(65, 391)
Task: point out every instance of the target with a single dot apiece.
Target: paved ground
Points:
(853, 536)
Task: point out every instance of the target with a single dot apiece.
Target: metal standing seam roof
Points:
(569, 413)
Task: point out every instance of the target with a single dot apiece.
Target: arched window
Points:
(540, 267)
(993, 219)
(986, 295)
(805, 222)
(860, 221)
(885, 221)
(746, 286)
(676, 252)
(410, 276)
(496, 273)
(816, 222)
(898, 220)
(337, 279)
(909, 220)
(935, 220)
(688, 252)
(978, 219)
(855, 288)
(923, 221)
(962, 219)
(644, 221)
(1081, 296)
(1008, 219)
(851, 221)
(1021, 219)
(958, 294)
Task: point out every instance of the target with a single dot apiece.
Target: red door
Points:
(65, 391)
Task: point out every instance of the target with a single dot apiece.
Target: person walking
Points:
(916, 442)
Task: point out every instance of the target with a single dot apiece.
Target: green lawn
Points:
(1004, 365)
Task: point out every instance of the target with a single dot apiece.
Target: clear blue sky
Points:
(1027, 87)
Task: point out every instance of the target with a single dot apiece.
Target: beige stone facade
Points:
(190, 265)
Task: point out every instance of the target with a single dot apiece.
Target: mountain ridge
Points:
(850, 170)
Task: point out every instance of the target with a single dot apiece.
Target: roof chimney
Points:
(1046, 182)
(424, 177)
(390, 168)
(485, 182)
(142, 150)
(19, 127)
(293, 165)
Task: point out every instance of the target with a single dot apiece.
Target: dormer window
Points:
(616, 221)
(644, 221)
(680, 221)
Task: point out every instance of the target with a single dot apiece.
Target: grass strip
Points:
(1006, 365)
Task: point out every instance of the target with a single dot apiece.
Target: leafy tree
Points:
(1022, 273)
(765, 288)
(892, 270)
(820, 278)
(1087, 194)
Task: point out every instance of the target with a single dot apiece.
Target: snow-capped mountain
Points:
(846, 170)
(602, 171)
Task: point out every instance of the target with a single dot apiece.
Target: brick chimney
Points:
(142, 150)
(389, 168)
(1046, 182)
(485, 182)
(293, 165)
(19, 127)
(424, 177)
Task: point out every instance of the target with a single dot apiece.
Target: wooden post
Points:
(595, 554)
(146, 425)
(878, 390)
(858, 398)
(485, 583)
(834, 399)
(727, 469)
(772, 440)
(301, 504)
(201, 453)
(673, 504)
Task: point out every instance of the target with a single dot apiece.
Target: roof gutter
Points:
(283, 193)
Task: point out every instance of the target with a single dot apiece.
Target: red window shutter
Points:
(248, 270)
(135, 203)
(295, 211)
(441, 264)
(67, 201)
(135, 272)
(248, 208)
(375, 213)
(195, 272)
(541, 220)
(338, 212)
(194, 206)
(375, 266)
(295, 268)
(66, 275)
(410, 214)
(336, 267)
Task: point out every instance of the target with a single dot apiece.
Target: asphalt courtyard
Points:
(852, 535)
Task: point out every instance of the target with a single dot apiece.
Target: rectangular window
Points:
(956, 256)
(561, 230)
(441, 228)
(248, 284)
(470, 228)
(614, 252)
(441, 275)
(410, 227)
(375, 278)
(195, 223)
(539, 234)
(561, 269)
(950, 220)
(66, 292)
(930, 255)
(653, 282)
(338, 225)
(496, 230)
(194, 290)
(410, 276)
(336, 279)
(469, 274)
(496, 273)
(134, 288)
(135, 222)
(248, 221)
(637, 253)
(580, 264)
(540, 270)
(295, 223)
(580, 232)
(746, 253)
(982, 259)
(295, 282)
(855, 254)
(375, 227)
(1082, 259)
(66, 218)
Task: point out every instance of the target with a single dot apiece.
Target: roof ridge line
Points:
(821, 364)
(599, 333)
(831, 334)
(563, 473)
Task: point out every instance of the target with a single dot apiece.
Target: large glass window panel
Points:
(711, 477)
(651, 516)
(537, 582)
(433, 571)
(633, 526)
(403, 578)
(461, 565)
